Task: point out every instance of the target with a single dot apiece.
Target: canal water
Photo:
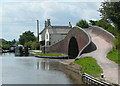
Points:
(31, 70)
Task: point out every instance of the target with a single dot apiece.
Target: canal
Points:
(32, 70)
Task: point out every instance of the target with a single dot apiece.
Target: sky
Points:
(18, 16)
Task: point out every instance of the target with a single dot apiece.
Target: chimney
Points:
(69, 25)
(38, 29)
(48, 22)
(45, 24)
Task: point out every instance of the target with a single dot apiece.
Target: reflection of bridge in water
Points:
(43, 65)
(47, 65)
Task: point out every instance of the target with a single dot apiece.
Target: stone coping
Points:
(53, 57)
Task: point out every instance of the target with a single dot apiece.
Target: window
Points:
(49, 43)
(46, 36)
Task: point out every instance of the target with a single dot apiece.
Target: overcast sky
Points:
(18, 16)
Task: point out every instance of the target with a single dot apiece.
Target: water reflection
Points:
(31, 70)
(48, 66)
(43, 65)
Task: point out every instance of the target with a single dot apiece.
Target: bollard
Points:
(102, 75)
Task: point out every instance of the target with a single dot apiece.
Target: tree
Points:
(6, 46)
(26, 37)
(0, 44)
(92, 22)
(28, 44)
(33, 45)
(3, 41)
(105, 24)
(111, 11)
(116, 43)
(82, 23)
(13, 42)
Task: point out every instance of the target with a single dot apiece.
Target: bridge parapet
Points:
(102, 33)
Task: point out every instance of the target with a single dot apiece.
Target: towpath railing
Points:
(94, 81)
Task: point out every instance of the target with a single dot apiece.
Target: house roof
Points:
(42, 31)
(58, 29)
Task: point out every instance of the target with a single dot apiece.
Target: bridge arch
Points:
(73, 44)
(73, 48)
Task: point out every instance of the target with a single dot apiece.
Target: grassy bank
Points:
(113, 56)
(89, 66)
(49, 54)
(34, 51)
(31, 51)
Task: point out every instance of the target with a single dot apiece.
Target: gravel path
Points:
(110, 68)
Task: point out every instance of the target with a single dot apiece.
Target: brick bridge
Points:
(78, 41)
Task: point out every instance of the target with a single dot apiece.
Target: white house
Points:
(53, 34)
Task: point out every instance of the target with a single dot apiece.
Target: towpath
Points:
(110, 68)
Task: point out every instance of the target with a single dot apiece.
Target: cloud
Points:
(0, 12)
(54, 0)
(18, 16)
(15, 30)
(0, 20)
(43, 10)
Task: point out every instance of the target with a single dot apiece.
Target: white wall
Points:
(46, 37)
(40, 38)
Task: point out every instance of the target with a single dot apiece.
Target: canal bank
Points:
(65, 65)
(74, 70)
(86, 78)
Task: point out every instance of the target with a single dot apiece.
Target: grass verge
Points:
(113, 56)
(35, 52)
(31, 51)
(49, 54)
(89, 66)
